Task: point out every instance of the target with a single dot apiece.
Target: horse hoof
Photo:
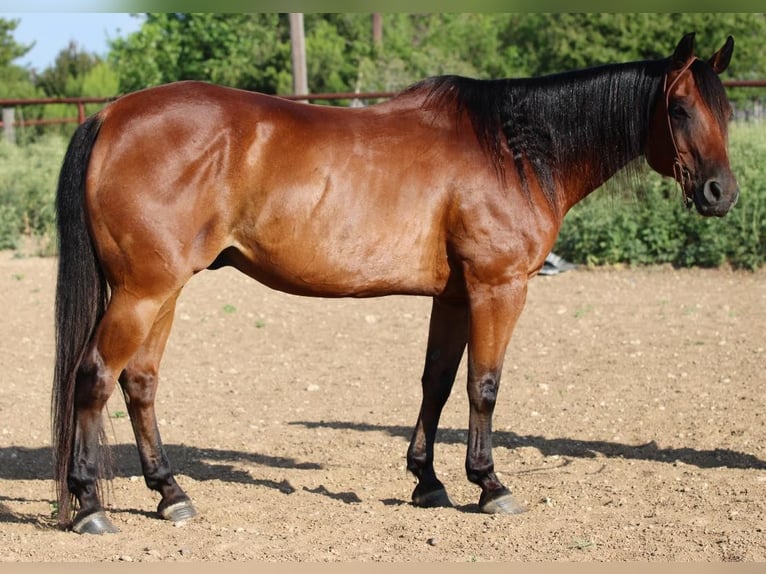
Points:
(95, 523)
(434, 499)
(179, 512)
(502, 504)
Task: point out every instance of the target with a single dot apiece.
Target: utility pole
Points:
(377, 30)
(298, 48)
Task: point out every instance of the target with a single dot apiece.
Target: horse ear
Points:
(720, 60)
(684, 51)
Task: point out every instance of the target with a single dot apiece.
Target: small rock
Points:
(432, 541)
(124, 558)
(312, 388)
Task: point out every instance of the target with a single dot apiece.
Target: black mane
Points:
(555, 121)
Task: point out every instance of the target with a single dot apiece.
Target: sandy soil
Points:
(630, 423)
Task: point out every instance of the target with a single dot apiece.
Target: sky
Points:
(51, 33)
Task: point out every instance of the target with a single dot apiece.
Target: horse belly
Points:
(323, 237)
(346, 262)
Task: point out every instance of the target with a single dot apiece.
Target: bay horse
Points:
(454, 189)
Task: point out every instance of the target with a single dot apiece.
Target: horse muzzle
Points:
(715, 197)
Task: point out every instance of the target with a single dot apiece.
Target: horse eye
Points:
(678, 111)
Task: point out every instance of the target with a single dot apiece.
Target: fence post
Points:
(9, 129)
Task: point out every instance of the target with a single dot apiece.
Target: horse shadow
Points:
(203, 464)
(570, 448)
(21, 463)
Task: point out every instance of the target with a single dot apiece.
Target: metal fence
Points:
(12, 119)
(754, 111)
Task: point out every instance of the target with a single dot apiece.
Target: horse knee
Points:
(139, 385)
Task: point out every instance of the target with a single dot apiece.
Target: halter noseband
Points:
(681, 172)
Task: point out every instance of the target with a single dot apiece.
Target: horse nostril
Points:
(712, 192)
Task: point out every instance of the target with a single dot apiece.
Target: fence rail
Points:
(82, 102)
(9, 122)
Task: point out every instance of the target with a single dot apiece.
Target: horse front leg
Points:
(494, 312)
(447, 337)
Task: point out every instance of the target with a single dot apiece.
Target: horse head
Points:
(688, 132)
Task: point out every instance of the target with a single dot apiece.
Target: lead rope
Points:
(681, 173)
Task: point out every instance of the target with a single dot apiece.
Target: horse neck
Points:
(577, 130)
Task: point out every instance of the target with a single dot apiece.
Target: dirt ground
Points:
(630, 423)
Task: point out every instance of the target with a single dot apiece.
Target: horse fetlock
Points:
(480, 468)
(435, 497)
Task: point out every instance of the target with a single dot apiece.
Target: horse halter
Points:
(681, 172)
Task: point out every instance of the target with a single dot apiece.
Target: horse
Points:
(454, 189)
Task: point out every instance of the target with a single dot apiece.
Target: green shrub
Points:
(28, 177)
(651, 226)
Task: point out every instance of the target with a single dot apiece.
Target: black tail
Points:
(81, 297)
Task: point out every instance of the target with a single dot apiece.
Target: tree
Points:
(421, 45)
(556, 42)
(65, 77)
(252, 51)
(249, 51)
(9, 48)
(100, 81)
(563, 41)
(16, 80)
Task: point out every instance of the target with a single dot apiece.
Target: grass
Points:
(582, 544)
(580, 312)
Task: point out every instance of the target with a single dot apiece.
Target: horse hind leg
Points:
(447, 337)
(94, 385)
(139, 383)
(120, 333)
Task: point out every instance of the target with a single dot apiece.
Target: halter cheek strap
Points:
(681, 171)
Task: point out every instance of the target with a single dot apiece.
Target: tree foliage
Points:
(249, 51)
(65, 77)
(10, 49)
(252, 51)
(16, 82)
(556, 42)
